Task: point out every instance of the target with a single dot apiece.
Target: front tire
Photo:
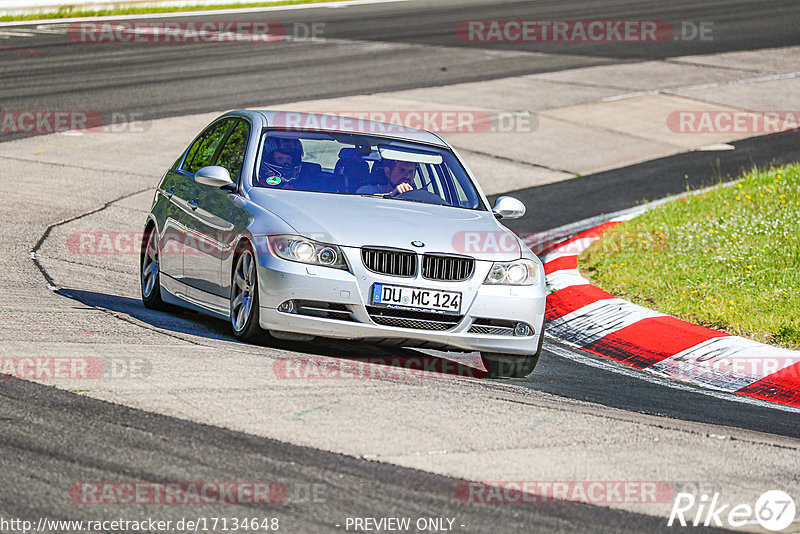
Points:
(150, 274)
(244, 296)
(511, 366)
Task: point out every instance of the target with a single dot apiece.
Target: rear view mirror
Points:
(215, 176)
(508, 208)
(413, 157)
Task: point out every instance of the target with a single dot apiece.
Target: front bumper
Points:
(281, 281)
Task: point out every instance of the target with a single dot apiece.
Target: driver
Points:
(399, 176)
(281, 165)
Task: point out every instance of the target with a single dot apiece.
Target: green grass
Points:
(68, 12)
(728, 258)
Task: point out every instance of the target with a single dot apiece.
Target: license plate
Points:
(415, 298)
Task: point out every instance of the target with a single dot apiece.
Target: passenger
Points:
(399, 177)
(281, 165)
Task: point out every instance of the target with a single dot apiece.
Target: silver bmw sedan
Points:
(306, 225)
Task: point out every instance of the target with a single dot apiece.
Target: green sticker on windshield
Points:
(274, 180)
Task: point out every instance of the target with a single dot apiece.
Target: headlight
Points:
(513, 273)
(300, 249)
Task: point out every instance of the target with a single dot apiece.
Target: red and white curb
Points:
(602, 324)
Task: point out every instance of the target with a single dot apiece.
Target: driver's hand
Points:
(401, 188)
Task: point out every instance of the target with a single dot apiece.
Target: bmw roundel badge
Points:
(418, 243)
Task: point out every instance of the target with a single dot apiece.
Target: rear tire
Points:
(150, 273)
(244, 296)
(511, 366)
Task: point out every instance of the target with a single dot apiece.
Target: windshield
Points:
(364, 165)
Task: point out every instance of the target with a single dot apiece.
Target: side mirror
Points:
(508, 208)
(215, 176)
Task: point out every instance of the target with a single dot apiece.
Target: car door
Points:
(181, 189)
(211, 227)
(176, 187)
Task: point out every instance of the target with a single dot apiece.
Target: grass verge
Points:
(728, 258)
(74, 11)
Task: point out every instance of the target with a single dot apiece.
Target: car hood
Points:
(355, 221)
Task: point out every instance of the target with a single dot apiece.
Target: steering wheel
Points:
(423, 196)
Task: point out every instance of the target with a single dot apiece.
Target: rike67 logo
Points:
(774, 510)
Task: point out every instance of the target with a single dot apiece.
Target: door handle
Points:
(192, 204)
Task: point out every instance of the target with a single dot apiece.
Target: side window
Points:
(429, 179)
(232, 154)
(463, 201)
(202, 152)
(465, 194)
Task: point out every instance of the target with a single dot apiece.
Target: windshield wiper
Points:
(411, 200)
(378, 195)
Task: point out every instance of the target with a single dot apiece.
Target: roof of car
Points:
(346, 124)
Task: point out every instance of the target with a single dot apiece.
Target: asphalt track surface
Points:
(51, 438)
(141, 446)
(371, 48)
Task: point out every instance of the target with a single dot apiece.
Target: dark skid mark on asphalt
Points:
(100, 441)
(175, 80)
(736, 25)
